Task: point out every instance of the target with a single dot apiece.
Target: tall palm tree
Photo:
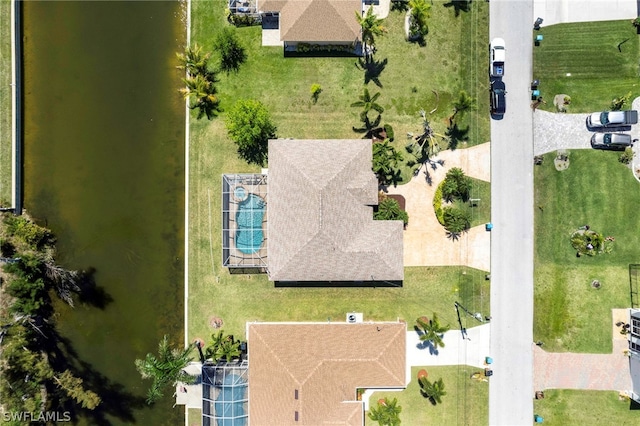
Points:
(193, 60)
(434, 391)
(166, 369)
(368, 103)
(201, 93)
(432, 330)
(463, 104)
(371, 27)
(427, 141)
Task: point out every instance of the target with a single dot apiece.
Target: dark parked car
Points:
(497, 98)
(616, 141)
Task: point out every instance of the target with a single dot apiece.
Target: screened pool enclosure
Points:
(244, 220)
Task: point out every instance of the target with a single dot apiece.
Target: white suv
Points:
(496, 58)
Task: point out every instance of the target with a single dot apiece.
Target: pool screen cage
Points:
(225, 393)
(244, 221)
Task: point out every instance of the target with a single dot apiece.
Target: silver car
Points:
(616, 141)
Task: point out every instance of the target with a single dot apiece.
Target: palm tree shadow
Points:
(372, 69)
(425, 344)
(456, 135)
(459, 6)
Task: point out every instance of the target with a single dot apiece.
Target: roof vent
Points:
(353, 317)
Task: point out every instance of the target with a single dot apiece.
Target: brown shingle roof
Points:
(321, 225)
(316, 20)
(324, 363)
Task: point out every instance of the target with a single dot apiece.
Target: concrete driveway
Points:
(425, 241)
(553, 131)
(559, 11)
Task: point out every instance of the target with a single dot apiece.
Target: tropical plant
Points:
(201, 93)
(456, 185)
(420, 13)
(431, 330)
(462, 104)
(636, 23)
(194, 61)
(249, 125)
(456, 220)
(434, 391)
(386, 160)
(222, 347)
(590, 243)
(165, 369)
(372, 27)
(389, 209)
(618, 103)
(368, 103)
(316, 89)
(386, 412)
(627, 155)
(232, 54)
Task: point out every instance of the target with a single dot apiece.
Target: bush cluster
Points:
(307, 47)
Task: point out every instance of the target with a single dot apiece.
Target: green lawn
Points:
(589, 52)
(5, 102)
(570, 407)
(466, 402)
(599, 191)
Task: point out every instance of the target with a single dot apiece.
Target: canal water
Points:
(104, 169)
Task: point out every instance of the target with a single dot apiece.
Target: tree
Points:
(463, 104)
(386, 160)
(434, 391)
(201, 93)
(194, 61)
(368, 103)
(371, 28)
(223, 347)
(427, 142)
(456, 220)
(420, 13)
(456, 185)
(249, 126)
(432, 330)
(232, 54)
(166, 369)
(389, 209)
(72, 386)
(386, 413)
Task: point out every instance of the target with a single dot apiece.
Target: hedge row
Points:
(437, 204)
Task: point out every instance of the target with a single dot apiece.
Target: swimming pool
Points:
(229, 406)
(249, 217)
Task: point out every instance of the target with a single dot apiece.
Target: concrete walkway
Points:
(560, 11)
(585, 371)
(425, 241)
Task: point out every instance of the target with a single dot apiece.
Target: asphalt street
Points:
(511, 342)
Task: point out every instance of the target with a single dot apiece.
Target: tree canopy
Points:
(232, 54)
(372, 27)
(249, 125)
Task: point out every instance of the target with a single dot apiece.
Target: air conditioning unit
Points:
(353, 317)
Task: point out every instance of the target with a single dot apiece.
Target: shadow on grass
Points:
(372, 69)
(459, 6)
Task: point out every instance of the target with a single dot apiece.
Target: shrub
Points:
(316, 89)
(627, 156)
(33, 235)
(437, 204)
(389, 209)
(249, 125)
(456, 185)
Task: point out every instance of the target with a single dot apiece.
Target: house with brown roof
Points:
(321, 227)
(306, 374)
(314, 24)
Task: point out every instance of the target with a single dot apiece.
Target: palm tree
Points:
(385, 159)
(166, 369)
(429, 145)
(386, 413)
(371, 27)
(434, 391)
(463, 104)
(193, 60)
(368, 103)
(223, 347)
(432, 331)
(420, 12)
(202, 95)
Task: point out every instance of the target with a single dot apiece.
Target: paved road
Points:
(511, 386)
